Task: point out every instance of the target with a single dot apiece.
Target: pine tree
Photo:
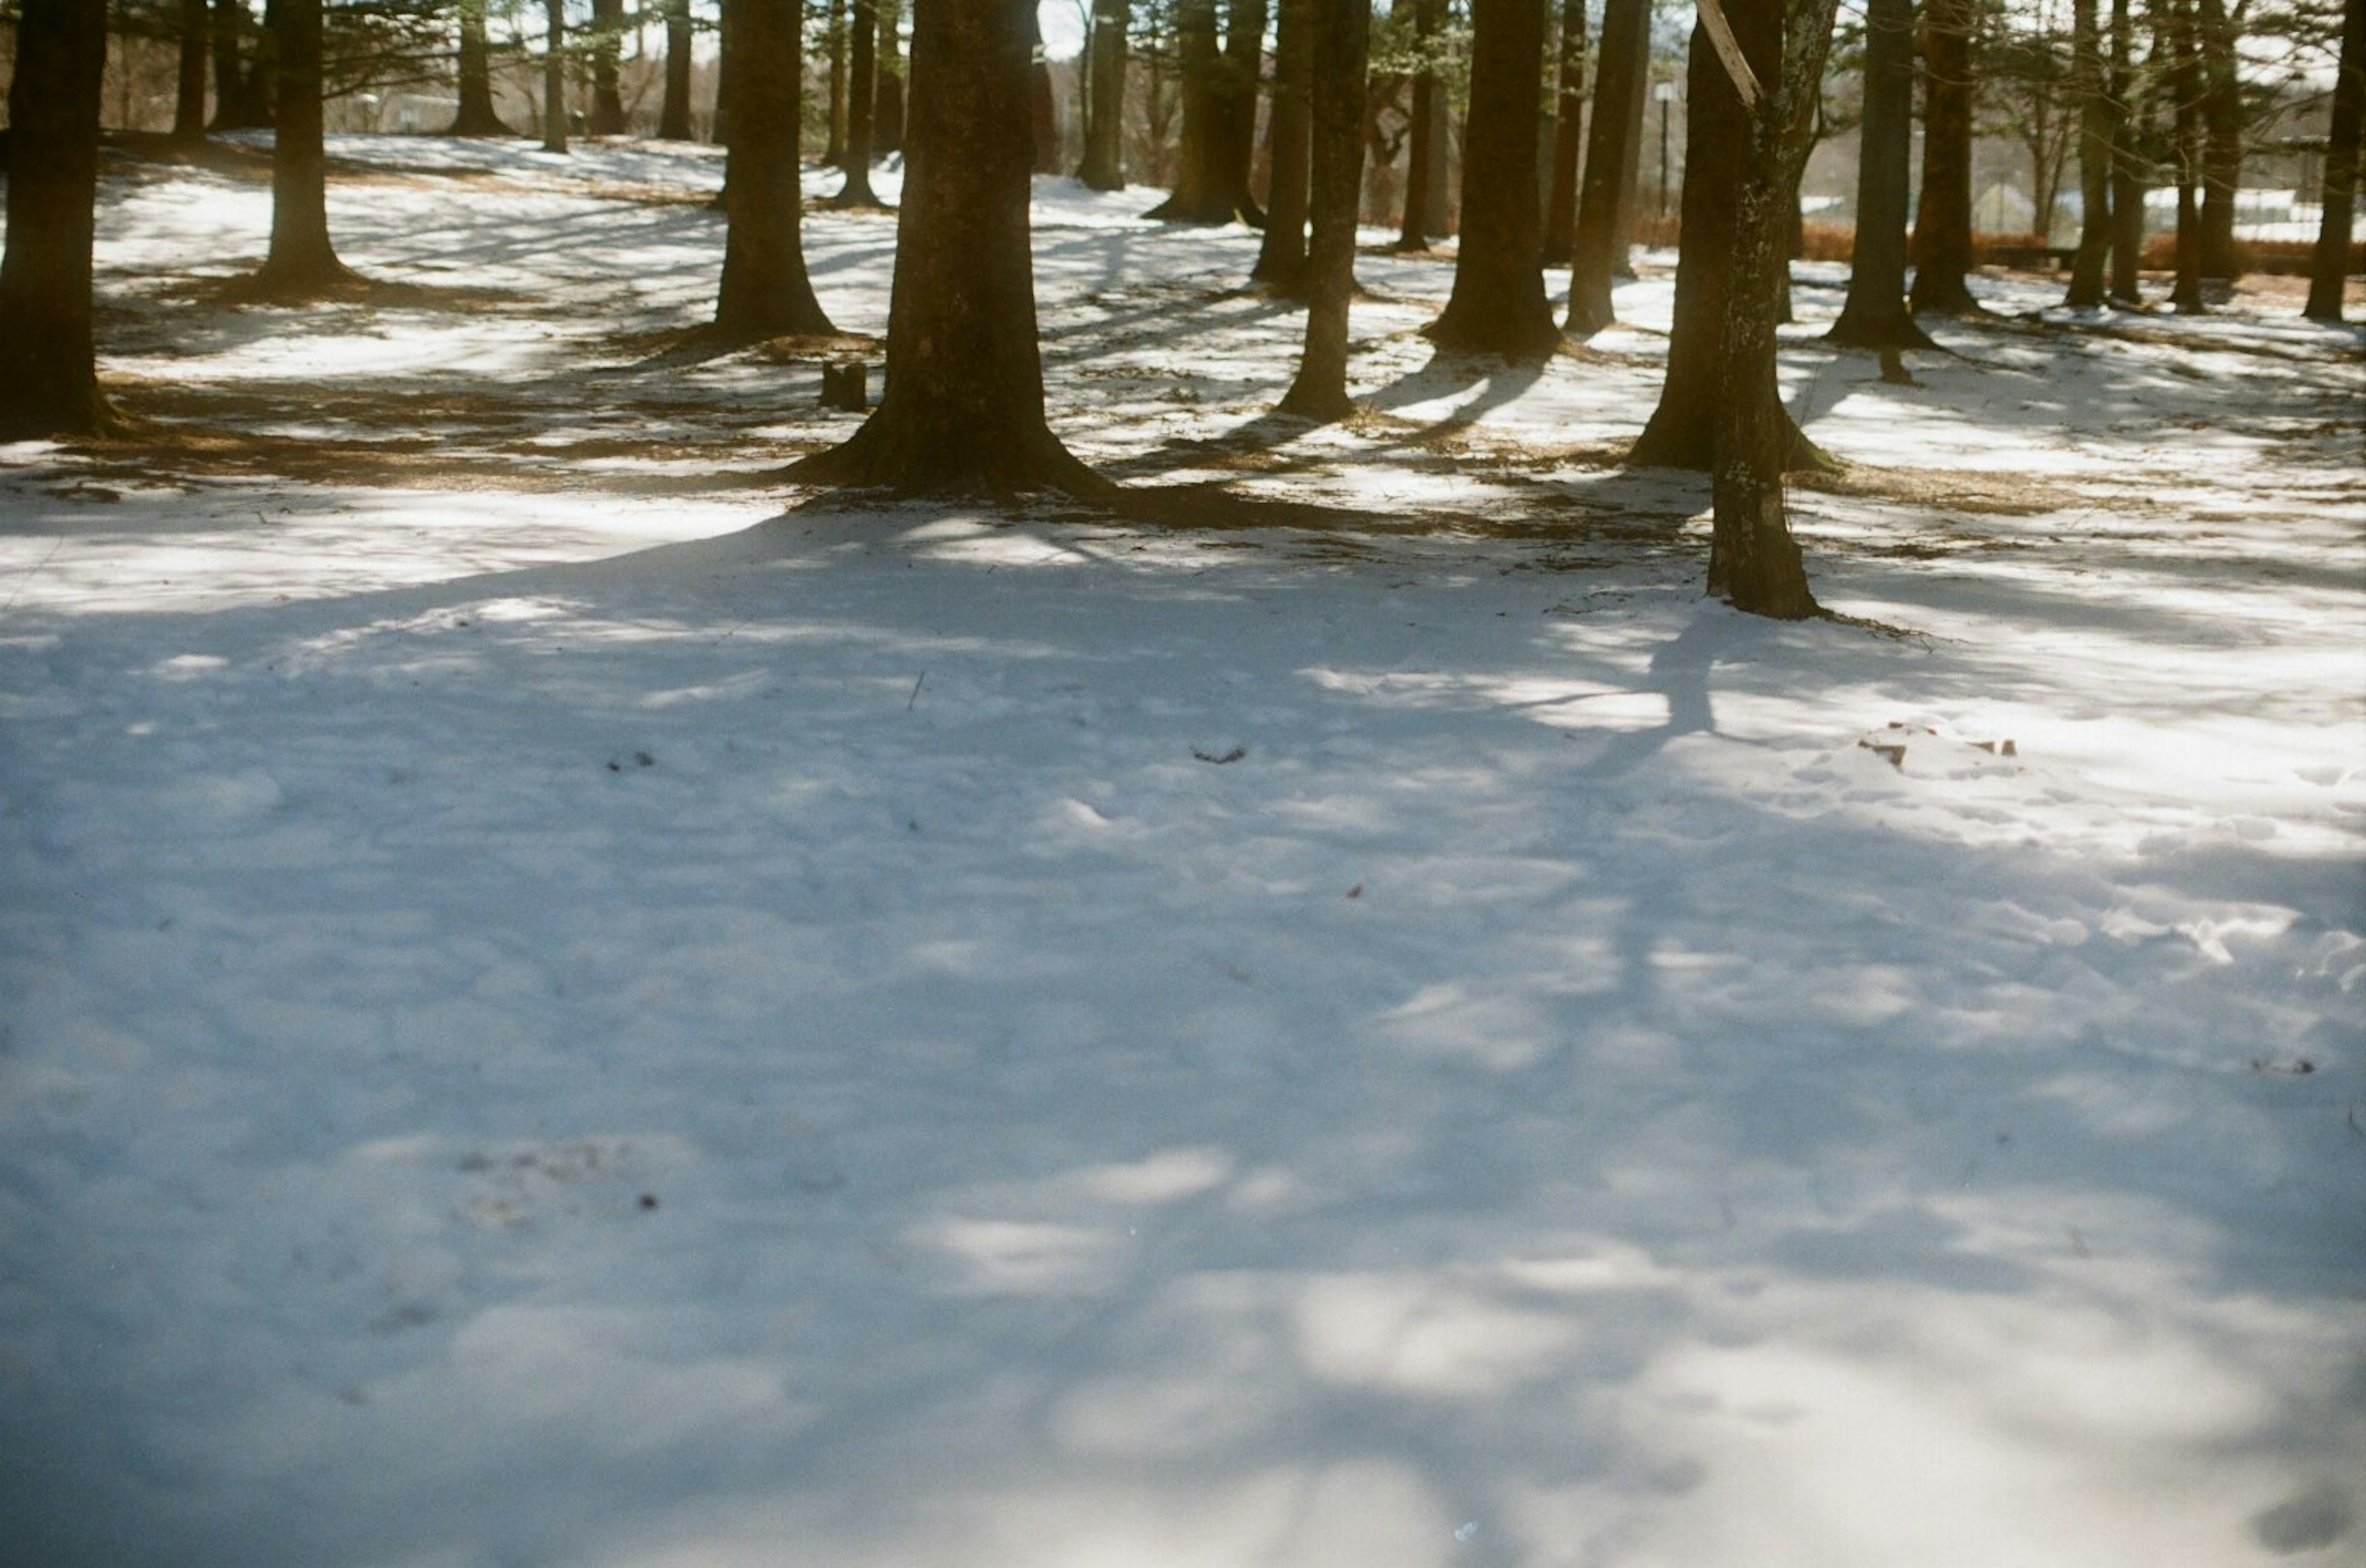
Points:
(48, 380)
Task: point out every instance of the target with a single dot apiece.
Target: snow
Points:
(563, 1009)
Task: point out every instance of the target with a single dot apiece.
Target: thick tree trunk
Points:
(833, 152)
(1598, 249)
(1244, 77)
(1561, 188)
(2128, 168)
(963, 409)
(1754, 560)
(554, 74)
(189, 85)
(1104, 163)
(301, 260)
(2222, 149)
(1281, 259)
(1043, 114)
(1498, 304)
(1209, 186)
(860, 105)
(887, 128)
(673, 118)
(1341, 46)
(1425, 150)
(477, 116)
(1942, 225)
(2328, 273)
(2174, 29)
(49, 382)
(1875, 314)
(243, 87)
(765, 290)
(2086, 291)
(607, 46)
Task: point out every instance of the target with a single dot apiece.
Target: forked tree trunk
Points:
(2086, 291)
(1754, 560)
(2328, 272)
(887, 128)
(1598, 248)
(189, 85)
(1568, 85)
(1942, 225)
(1425, 150)
(476, 116)
(2128, 168)
(242, 88)
(301, 260)
(1104, 163)
(1341, 47)
(1209, 187)
(2221, 147)
(1498, 304)
(49, 382)
(1281, 259)
(607, 45)
(673, 118)
(1875, 314)
(765, 290)
(861, 104)
(964, 408)
(554, 74)
(1042, 113)
(1244, 83)
(2174, 29)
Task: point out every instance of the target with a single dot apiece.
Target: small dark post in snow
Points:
(846, 384)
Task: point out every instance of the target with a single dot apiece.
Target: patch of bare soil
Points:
(1996, 494)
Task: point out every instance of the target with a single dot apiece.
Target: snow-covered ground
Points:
(560, 1011)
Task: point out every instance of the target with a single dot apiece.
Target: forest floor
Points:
(565, 1003)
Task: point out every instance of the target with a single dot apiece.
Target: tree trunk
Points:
(860, 105)
(1943, 226)
(2174, 29)
(1341, 46)
(1631, 181)
(607, 45)
(1598, 245)
(2086, 290)
(1425, 150)
(301, 260)
(2222, 150)
(1561, 191)
(477, 116)
(963, 409)
(242, 88)
(1498, 304)
(49, 381)
(888, 127)
(1211, 185)
(554, 74)
(1104, 164)
(765, 290)
(1754, 560)
(1282, 260)
(673, 119)
(189, 85)
(833, 151)
(1043, 114)
(1243, 78)
(2127, 169)
(2328, 273)
(1875, 314)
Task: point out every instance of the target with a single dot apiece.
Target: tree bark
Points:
(1498, 304)
(887, 130)
(963, 409)
(1281, 259)
(1211, 183)
(860, 105)
(48, 379)
(833, 152)
(2174, 28)
(1942, 225)
(765, 290)
(1244, 23)
(607, 46)
(1104, 163)
(189, 85)
(554, 74)
(1875, 314)
(673, 118)
(2222, 147)
(301, 260)
(2329, 271)
(1043, 114)
(243, 87)
(477, 116)
(2086, 291)
(1754, 560)
(2128, 168)
(1560, 189)
(1341, 48)
(1425, 150)
(1598, 247)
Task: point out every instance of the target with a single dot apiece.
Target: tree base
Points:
(1878, 329)
(888, 455)
(481, 123)
(1518, 343)
(1212, 211)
